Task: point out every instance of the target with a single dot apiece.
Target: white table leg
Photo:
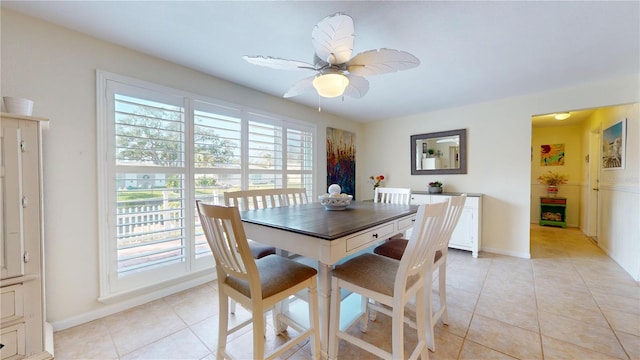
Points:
(324, 296)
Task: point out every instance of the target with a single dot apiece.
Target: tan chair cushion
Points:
(394, 248)
(277, 274)
(374, 272)
(259, 250)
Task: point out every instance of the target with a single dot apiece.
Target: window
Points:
(160, 150)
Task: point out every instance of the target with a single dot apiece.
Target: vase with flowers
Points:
(552, 179)
(376, 181)
(435, 187)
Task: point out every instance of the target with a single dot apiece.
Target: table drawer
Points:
(11, 302)
(14, 343)
(371, 236)
(405, 224)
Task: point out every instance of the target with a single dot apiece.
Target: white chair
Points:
(395, 248)
(257, 284)
(392, 195)
(262, 199)
(265, 198)
(391, 283)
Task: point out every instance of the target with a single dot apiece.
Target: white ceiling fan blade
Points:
(358, 86)
(277, 63)
(332, 38)
(381, 61)
(300, 87)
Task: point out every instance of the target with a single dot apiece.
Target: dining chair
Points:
(261, 199)
(392, 196)
(257, 284)
(391, 283)
(395, 248)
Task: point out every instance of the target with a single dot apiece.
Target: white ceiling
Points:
(469, 51)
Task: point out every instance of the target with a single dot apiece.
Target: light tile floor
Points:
(570, 301)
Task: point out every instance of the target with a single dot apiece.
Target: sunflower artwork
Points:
(551, 155)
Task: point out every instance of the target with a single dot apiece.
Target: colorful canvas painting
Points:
(341, 160)
(552, 155)
(613, 146)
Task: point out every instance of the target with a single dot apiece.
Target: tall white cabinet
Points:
(23, 333)
(468, 233)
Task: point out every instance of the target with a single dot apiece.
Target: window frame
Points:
(108, 84)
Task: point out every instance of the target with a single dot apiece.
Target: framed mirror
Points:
(443, 152)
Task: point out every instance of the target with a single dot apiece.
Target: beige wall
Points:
(499, 165)
(56, 68)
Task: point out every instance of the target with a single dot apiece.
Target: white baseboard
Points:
(519, 254)
(110, 309)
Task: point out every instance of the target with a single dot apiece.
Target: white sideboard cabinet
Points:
(468, 233)
(23, 332)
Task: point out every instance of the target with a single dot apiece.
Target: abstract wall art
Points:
(341, 160)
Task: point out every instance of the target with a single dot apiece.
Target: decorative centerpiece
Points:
(435, 187)
(552, 180)
(334, 200)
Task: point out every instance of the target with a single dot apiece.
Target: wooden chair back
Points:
(424, 241)
(225, 234)
(392, 195)
(265, 198)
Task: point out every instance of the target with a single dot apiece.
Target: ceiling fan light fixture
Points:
(562, 116)
(330, 85)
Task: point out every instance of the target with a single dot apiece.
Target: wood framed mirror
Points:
(443, 152)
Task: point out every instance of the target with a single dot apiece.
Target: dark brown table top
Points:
(313, 220)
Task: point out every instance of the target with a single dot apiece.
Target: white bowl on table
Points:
(335, 201)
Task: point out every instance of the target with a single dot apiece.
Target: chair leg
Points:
(258, 336)
(397, 332)
(442, 289)
(232, 306)
(364, 307)
(428, 294)
(280, 308)
(334, 320)
(223, 324)
(373, 314)
(421, 325)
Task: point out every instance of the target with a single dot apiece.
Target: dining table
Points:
(327, 236)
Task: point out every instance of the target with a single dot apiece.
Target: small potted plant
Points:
(552, 180)
(435, 187)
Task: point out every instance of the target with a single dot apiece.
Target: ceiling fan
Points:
(336, 73)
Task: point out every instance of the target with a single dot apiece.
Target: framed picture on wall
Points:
(613, 146)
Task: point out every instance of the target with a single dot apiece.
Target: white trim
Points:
(130, 302)
(518, 254)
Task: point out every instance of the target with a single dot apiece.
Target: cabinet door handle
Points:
(375, 236)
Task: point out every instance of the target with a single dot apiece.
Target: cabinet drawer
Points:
(11, 302)
(14, 343)
(553, 201)
(417, 199)
(371, 236)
